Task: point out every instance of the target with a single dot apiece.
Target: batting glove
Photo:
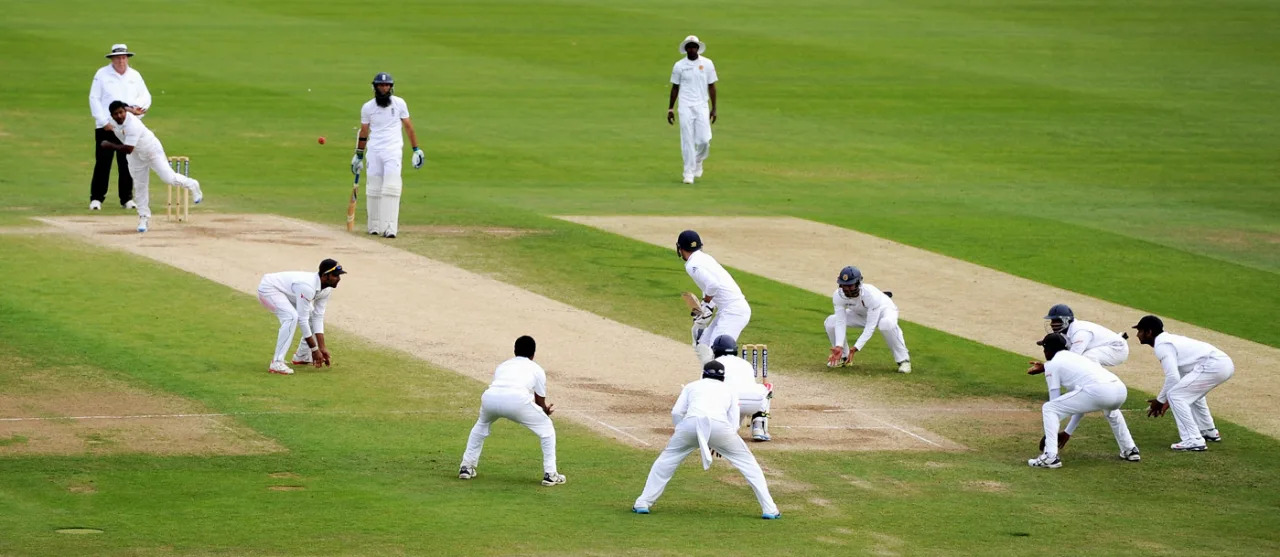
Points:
(418, 158)
(356, 159)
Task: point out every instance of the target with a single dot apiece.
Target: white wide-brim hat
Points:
(692, 39)
(119, 49)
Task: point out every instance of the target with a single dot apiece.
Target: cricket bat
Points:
(695, 305)
(351, 205)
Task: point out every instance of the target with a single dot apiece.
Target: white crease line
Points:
(902, 430)
(210, 415)
(799, 427)
(611, 426)
(916, 409)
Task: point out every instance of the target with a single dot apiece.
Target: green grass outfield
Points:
(1126, 151)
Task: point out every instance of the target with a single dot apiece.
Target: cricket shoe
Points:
(142, 224)
(374, 233)
(1044, 461)
(279, 367)
(301, 361)
(1188, 446)
(466, 472)
(95, 205)
(904, 366)
(698, 172)
(1130, 455)
(688, 179)
(640, 510)
(771, 516)
(549, 479)
(130, 204)
(389, 236)
(1211, 435)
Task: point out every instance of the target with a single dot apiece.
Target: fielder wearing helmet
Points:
(754, 398)
(713, 370)
(1059, 319)
(859, 305)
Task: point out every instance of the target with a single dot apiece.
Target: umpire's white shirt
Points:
(693, 77)
(109, 86)
(384, 124)
(520, 375)
(714, 281)
(1068, 371)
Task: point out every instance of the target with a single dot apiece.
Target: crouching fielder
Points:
(1092, 388)
(862, 305)
(705, 416)
(518, 393)
(1192, 368)
(145, 154)
(753, 398)
(298, 298)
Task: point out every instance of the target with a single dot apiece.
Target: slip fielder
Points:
(1191, 369)
(1091, 340)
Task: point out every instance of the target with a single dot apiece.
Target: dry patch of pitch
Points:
(445, 315)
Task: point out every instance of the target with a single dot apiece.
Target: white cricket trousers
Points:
(1107, 397)
(730, 320)
(888, 327)
(1108, 354)
(382, 190)
(721, 438)
(517, 406)
(144, 160)
(752, 399)
(276, 302)
(695, 137)
(1186, 397)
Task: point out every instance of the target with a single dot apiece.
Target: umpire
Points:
(114, 82)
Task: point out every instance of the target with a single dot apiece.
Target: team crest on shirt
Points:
(699, 68)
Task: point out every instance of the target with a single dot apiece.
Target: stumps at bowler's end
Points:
(178, 200)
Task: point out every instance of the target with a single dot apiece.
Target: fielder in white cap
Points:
(693, 83)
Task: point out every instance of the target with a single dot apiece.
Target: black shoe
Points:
(390, 236)
(375, 233)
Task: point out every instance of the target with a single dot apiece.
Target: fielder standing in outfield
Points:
(1091, 388)
(693, 83)
(298, 298)
(718, 291)
(145, 153)
(706, 417)
(1191, 369)
(381, 120)
(114, 82)
(518, 393)
(754, 398)
(862, 305)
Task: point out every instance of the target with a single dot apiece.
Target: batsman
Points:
(722, 309)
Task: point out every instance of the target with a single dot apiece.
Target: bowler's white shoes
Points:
(142, 224)
(279, 367)
(904, 366)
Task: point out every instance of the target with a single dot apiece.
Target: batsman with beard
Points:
(380, 122)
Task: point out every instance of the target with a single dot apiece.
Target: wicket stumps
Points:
(759, 357)
(178, 200)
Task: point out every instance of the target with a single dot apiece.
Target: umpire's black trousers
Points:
(102, 169)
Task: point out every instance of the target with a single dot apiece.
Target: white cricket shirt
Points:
(707, 398)
(109, 86)
(135, 134)
(302, 288)
(693, 77)
(520, 374)
(1068, 371)
(867, 307)
(738, 373)
(1179, 355)
(1084, 335)
(713, 280)
(384, 124)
